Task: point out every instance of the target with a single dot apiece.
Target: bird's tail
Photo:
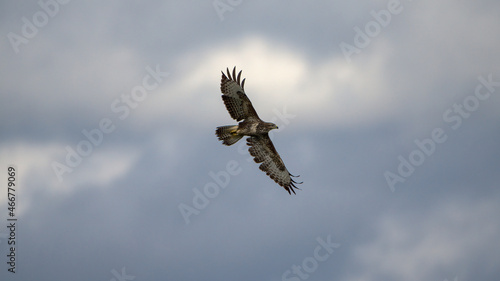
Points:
(228, 135)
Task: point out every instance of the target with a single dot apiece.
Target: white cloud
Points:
(333, 92)
(417, 248)
(103, 167)
(32, 162)
(35, 173)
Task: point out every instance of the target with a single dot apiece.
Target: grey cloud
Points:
(86, 228)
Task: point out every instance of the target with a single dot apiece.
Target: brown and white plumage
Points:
(261, 147)
(263, 151)
(234, 97)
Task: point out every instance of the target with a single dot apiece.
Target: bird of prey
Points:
(261, 148)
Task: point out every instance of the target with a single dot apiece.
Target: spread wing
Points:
(263, 151)
(234, 97)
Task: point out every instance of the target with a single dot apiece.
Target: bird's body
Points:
(240, 108)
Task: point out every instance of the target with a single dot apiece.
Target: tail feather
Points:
(228, 135)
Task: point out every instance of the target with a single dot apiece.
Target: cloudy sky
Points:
(387, 110)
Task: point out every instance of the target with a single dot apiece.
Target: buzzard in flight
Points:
(261, 147)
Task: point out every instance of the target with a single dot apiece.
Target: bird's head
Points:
(271, 126)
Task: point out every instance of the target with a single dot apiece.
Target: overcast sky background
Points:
(346, 121)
